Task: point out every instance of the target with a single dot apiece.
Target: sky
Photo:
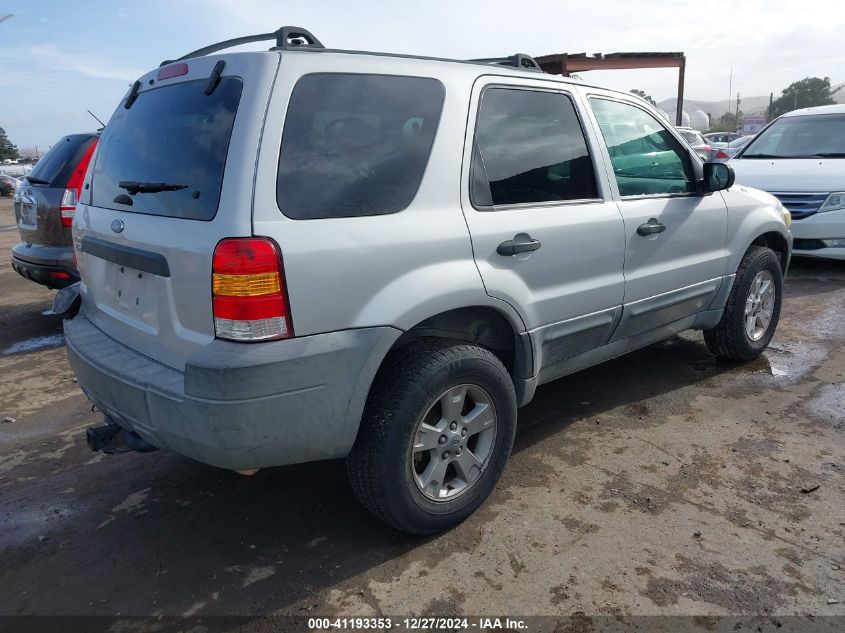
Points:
(59, 58)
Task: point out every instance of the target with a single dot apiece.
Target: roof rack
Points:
(287, 38)
(519, 60)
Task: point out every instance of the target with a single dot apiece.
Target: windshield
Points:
(803, 136)
(165, 154)
(739, 142)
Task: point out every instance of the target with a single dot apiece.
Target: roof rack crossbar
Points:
(286, 38)
(519, 60)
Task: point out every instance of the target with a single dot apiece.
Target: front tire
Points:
(752, 310)
(435, 436)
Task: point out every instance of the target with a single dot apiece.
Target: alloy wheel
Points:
(453, 442)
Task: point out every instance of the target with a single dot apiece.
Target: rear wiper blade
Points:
(766, 156)
(830, 154)
(36, 181)
(133, 186)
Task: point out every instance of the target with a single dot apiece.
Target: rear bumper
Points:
(237, 406)
(56, 277)
(50, 266)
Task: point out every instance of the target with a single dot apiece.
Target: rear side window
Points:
(165, 155)
(356, 145)
(529, 148)
(57, 165)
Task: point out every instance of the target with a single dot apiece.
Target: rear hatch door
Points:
(171, 177)
(37, 201)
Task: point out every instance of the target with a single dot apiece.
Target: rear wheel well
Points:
(477, 325)
(777, 243)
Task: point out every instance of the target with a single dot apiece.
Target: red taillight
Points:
(248, 290)
(706, 148)
(721, 154)
(70, 198)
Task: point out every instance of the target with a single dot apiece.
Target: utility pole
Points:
(736, 116)
(771, 99)
(730, 88)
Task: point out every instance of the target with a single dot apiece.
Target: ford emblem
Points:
(117, 226)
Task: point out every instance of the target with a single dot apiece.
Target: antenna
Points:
(96, 117)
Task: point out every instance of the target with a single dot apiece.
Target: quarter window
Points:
(356, 145)
(646, 158)
(529, 148)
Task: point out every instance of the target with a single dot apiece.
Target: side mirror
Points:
(718, 176)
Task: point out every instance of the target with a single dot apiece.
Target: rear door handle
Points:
(521, 243)
(651, 227)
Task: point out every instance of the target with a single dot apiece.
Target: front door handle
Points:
(651, 227)
(521, 243)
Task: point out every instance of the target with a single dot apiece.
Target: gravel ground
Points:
(661, 483)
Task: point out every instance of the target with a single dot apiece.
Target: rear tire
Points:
(752, 310)
(401, 467)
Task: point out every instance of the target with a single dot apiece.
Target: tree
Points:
(726, 123)
(7, 149)
(642, 95)
(809, 92)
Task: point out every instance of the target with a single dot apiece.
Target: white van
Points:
(800, 158)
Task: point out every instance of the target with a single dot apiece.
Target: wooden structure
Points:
(565, 64)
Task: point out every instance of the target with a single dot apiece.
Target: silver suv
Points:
(305, 254)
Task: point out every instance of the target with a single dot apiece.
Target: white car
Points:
(800, 158)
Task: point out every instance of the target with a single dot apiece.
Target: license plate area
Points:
(27, 215)
(129, 292)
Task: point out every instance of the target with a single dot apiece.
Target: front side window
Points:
(646, 158)
(529, 148)
(356, 145)
(803, 136)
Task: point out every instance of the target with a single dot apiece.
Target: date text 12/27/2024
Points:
(413, 624)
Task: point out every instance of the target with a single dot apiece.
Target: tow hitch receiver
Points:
(112, 439)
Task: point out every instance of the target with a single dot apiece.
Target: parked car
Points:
(296, 255)
(722, 137)
(696, 141)
(723, 151)
(800, 158)
(8, 185)
(44, 208)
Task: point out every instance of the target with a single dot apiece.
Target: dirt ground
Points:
(664, 482)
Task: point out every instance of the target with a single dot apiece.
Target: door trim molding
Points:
(558, 341)
(651, 312)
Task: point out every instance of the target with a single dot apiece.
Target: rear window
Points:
(175, 136)
(56, 166)
(356, 145)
